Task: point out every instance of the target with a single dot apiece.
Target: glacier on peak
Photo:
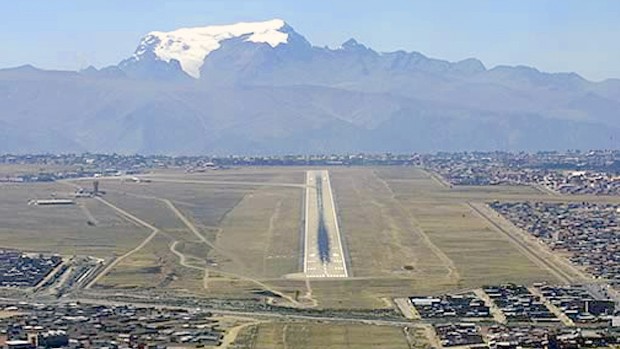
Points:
(190, 46)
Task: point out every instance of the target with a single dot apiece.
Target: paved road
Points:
(407, 309)
(260, 313)
(599, 291)
(323, 252)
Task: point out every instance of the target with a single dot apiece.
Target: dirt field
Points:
(400, 226)
(63, 229)
(234, 233)
(254, 232)
(23, 169)
(314, 335)
(238, 233)
(263, 232)
(147, 268)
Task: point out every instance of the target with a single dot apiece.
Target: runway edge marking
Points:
(331, 194)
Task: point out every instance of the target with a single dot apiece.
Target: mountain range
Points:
(262, 88)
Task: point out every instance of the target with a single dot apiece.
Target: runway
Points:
(323, 252)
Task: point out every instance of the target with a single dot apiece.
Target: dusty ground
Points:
(62, 229)
(236, 232)
(316, 335)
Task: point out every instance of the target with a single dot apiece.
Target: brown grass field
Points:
(316, 335)
(61, 229)
(404, 233)
(24, 169)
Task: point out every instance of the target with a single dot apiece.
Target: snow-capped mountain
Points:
(263, 88)
(190, 46)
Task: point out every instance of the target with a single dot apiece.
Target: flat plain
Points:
(316, 335)
(238, 233)
(65, 229)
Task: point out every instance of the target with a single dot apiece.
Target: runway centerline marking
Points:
(323, 251)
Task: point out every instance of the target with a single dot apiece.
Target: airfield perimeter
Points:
(239, 234)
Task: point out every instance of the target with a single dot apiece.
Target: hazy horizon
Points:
(576, 37)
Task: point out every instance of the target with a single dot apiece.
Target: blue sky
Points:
(558, 35)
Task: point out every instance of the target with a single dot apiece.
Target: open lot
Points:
(61, 229)
(225, 237)
(8, 170)
(316, 335)
(238, 232)
(434, 239)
